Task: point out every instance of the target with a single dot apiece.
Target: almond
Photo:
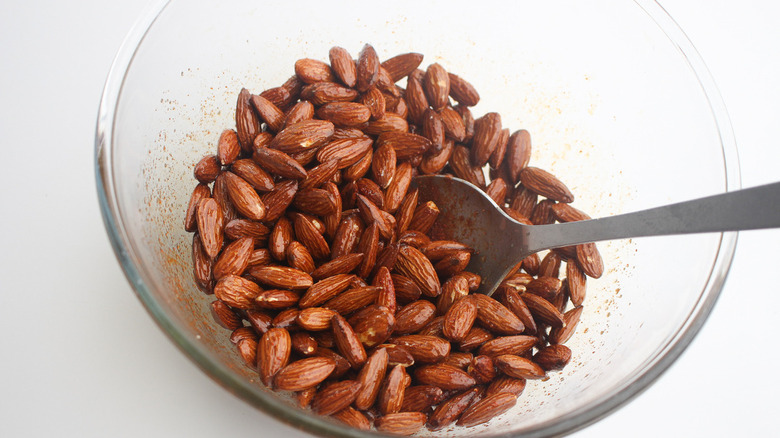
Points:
(463, 168)
(516, 345)
(200, 192)
(281, 237)
(298, 257)
(453, 290)
(398, 187)
(280, 277)
(278, 199)
(244, 197)
(247, 122)
(482, 369)
(278, 163)
(301, 111)
(228, 147)
(570, 320)
(253, 174)
(209, 219)
(388, 123)
(358, 170)
(347, 342)
(268, 112)
(543, 310)
(406, 144)
(234, 258)
(405, 212)
(512, 300)
(343, 66)
(401, 423)
(260, 320)
(497, 191)
(318, 202)
(413, 264)
(542, 213)
(345, 152)
(342, 265)
(373, 325)
(383, 165)
(321, 93)
(353, 299)
(302, 136)
(510, 385)
(391, 395)
(420, 398)
(367, 68)
(487, 408)
(589, 260)
(335, 397)
(324, 290)
(320, 174)
(425, 349)
(476, 337)
(449, 411)
(553, 357)
(304, 374)
(459, 319)
(543, 286)
(518, 367)
(312, 70)
(347, 236)
(495, 317)
(444, 376)
(236, 291)
(353, 418)
(413, 317)
(315, 318)
(487, 131)
(462, 91)
(342, 365)
(453, 124)
(307, 234)
(225, 316)
(276, 299)
(273, 353)
(400, 66)
(545, 184)
(459, 359)
(347, 114)
(436, 84)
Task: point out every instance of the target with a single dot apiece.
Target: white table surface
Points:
(79, 356)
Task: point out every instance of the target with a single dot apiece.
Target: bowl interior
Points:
(613, 106)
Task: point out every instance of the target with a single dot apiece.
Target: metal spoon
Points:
(469, 216)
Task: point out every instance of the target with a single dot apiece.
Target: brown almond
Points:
(260, 256)
(281, 277)
(298, 257)
(269, 113)
(391, 395)
(247, 121)
(342, 265)
(414, 265)
(589, 260)
(323, 290)
(497, 190)
(343, 66)
(347, 342)
(370, 378)
(389, 123)
(553, 357)
(315, 318)
(543, 310)
(356, 298)
(248, 170)
(453, 124)
(244, 197)
(434, 162)
(433, 129)
(545, 184)
(348, 114)
(453, 290)
(234, 258)
(281, 236)
(543, 286)
(321, 93)
(452, 263)
(487, 131)
(278, 199)
(518, 367)
(413, 317)
(476, 337)
(570, 321)
(449, 410)
(303, 110)
(401, 423)
(531, 263)
(304, 373)
(398, 187)
(225, 316)
(276, 299)
(228, 147)
(286, 318)
(462, 91)
(518, 153)
(273, 353)
(200, 192)
(397, 355)
(438, 249)
(310, 237)
(347, 236)
(342, 365)
(459, 359)
(335, 397)
(371, 214)
(353, 418)
(550, 267)
(359, 169)
(487, 408)
(496, 317)
(317, 202)
(514, 302)
(463, 167)
(436, 84)
(305, 397)
(312, 70)
(278, 163)
(516, 345)
(209, 219)
(367, 68)
(375, 101)
(459, 319)
(320, 174)
(247, 349)
(406, 144)
(405, 212)
(482, 369)
(345, 152)
(542, 213)
(373, 324)
(444, 376)
(384, 164)
(242, 333)
(279, 96)
(302, 136)
(523, 201)
(506, 384)
(400, 66)
(425, 349)
(420, 398)
(387, 257)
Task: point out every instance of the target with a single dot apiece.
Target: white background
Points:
(79, 356)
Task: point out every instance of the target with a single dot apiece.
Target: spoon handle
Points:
(747, 209)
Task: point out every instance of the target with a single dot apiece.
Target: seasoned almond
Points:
(234, 258)
(286, 318)
(406, 144)
(276, 299)
(244, 197)
(391, 395)
(449, 411)
(542, 213)
(260, 320)
(200, 192)
(367, 68)
(425, 349)
(302, 136)
(278, 163)
(487, 408)
(414, 316)
(320, 174)
(304, 374)
(405, 212)
(553, 357)
(518, 367)
(462, 91)
(315, 318)
(342, 265)
(487, 131)
(397, 355)
(268, 112)
(453, 290)
(347, 342)
(434, 162)
(384, 164)
(389, 123)
(210, 222)
(459, 359)
(342, 365)
(468, 120)
(543, 286)
(463, 167)
(321, 93)
(400, 66)
(436, 84)
(495, 317)
(335, 397)
(375, 101)
(476, 337)
(444, 376)
(589, 260)
(247, 121)
(514, 302)
(546, 184)
(543, 310)
(433, 129)
(225, 316)
(516, 345)
(353, 418)
(318, 202)
(459, 319)
(281, 236)
(398, 187)
(312, 70)
(247, 349)
(345, 152)
(373, 325)
(401, 423)
(279, 96)
(420, 398)
(280, 277)
(358, 170)
(357, 297)
(309, 236)
(414, 265)
(301, 111)
(305, 397)
(349, 114)
(497, 190)
(242, 333)
(371, 214)
(260, 256)
(570, 321)
(273, 353)
(298, 257)
(248, 170)
(550, 267)
(415, 98)
(343, 66)
(453, 124)
(506, 384)
(438, 249)
(278, 199)
(347, 236)
(531, 263)
(474, 280)
(324, 290)
(228, 147)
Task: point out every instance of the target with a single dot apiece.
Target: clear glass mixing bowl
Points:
(617, 100)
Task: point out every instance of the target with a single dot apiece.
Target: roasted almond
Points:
(347, 236)
(476, 337)
(453, 290)
(391, 395)
(347, 342)
(543, 286)
(425, 349)
(335, 397)
(400, 66)
(413, 317)
(356, 298)
(406, 144)
(496, 317)
(459, 319)
(281, 236)
(301, 111)
(273, 353)
(436, 85)
(518, 367)
(487, 408)
(414, 265)
(367, 68)
(276, 299)
(302, 136)
(345, 152)
(323, 290)
(462, 91)
(487, 130)
(312, 70)
(298, 257)
(210, 223)
(401, 423)
(383, 166)
(278, 163)
(321, 93)
(244, 197)
(281, 277)
(570, 320)
(463, 167)
(510, 385)
(514, 302)
(310, 237)
(546, 184)
(553, 357)
(234, 258)
(225, 316)
(444, 376)
(237, 292)
(315, 318)
(353, 418)
(398, 187)
(543, 310)
(420, 398)
(268, 112)
(304, 373)
(449, 410)
(200, 192)
(516, 345)
(247, 121)
(278, 199)
(388, 123)
(589, 260)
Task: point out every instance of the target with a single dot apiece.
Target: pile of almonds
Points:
(323, 265)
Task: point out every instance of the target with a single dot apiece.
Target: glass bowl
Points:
(618, 103)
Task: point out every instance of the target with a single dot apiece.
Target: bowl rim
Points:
(577, 419)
